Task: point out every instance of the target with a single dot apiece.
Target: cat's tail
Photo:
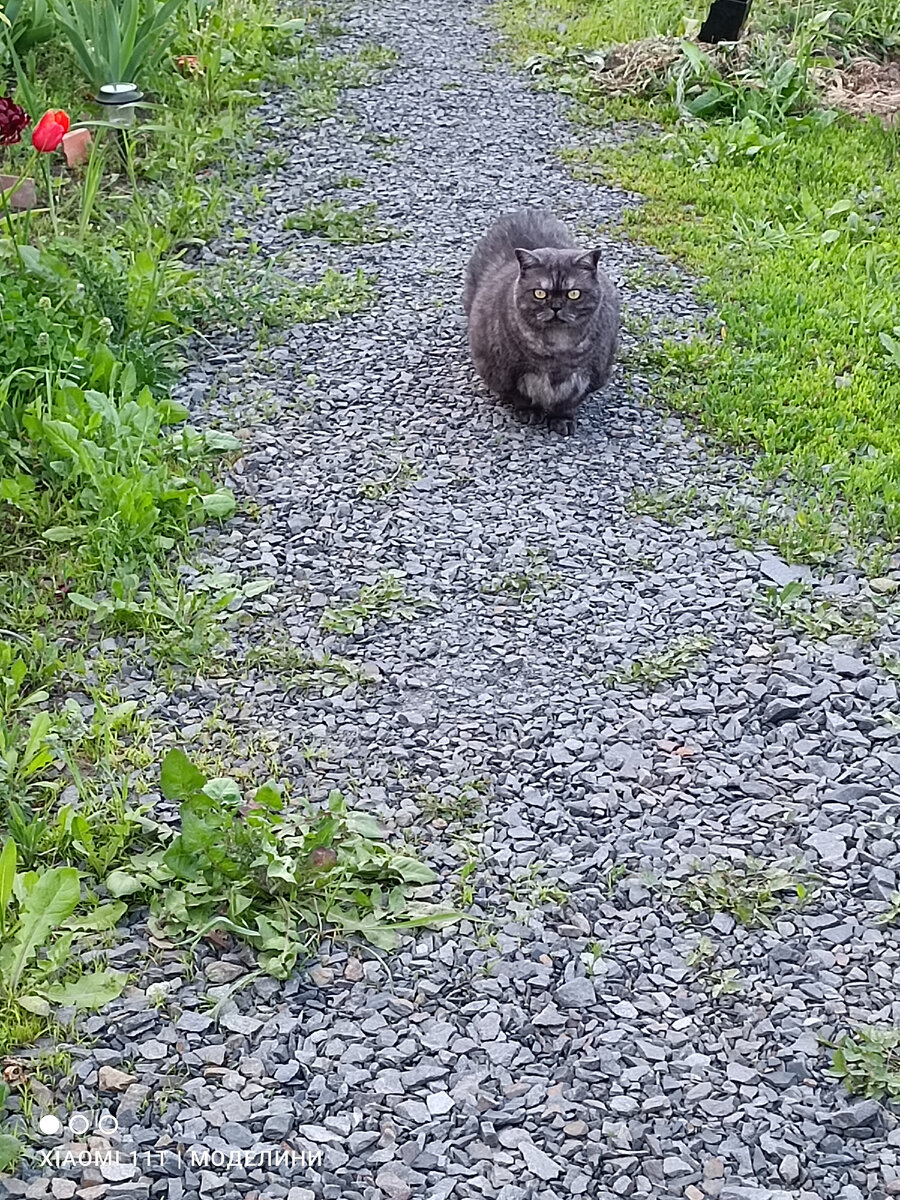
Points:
(529, 228)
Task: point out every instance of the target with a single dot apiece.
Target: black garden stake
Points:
(724, 21)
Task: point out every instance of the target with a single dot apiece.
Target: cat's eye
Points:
(540, 294)
(574, 294)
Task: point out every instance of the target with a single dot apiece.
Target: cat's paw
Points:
(564, 426)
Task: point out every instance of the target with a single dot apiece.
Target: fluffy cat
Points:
(543, 318)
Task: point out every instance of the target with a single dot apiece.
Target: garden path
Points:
(591, 1044)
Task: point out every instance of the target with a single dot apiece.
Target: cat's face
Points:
(557, 287)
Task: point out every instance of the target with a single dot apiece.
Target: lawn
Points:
(788, 214)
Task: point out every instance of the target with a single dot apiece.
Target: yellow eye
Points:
(539, 294)
(574, 294)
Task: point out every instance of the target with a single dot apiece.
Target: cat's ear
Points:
(527, 259)
(589, 261)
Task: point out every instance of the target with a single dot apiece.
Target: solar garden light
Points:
(119, 99)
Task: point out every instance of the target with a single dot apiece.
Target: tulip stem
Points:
(52, 203)
(9, 225)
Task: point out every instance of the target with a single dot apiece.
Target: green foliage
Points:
(181, 626)
(461, 801)
(38, 926)
(892, 913)
(30, 24)
(297, 668)
(95, 472)
(750, 890)
(116, 41)
(251, 294)
(343, 226)
(386, 599)
(278, 878)
(795, 258)
(867, 27)
(89, 459)
(334, 295)
(674, 662)
(406, 472)
(101, 478)
(669, 507)
(765, 92)
(527, 583)
(538, 26)
(39, 752)
(10, 1146)
(794, 605)
(720, 981)
(868, 1062)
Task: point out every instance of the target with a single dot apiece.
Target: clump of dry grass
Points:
(864, 88)
(646, 67)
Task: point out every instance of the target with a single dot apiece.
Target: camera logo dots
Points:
(78, 1124)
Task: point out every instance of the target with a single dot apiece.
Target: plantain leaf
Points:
(51, 901)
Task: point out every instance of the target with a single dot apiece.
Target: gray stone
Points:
(391, 1184)
(576, 993)
(537, 1162)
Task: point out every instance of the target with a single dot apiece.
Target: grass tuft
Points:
(751, 891)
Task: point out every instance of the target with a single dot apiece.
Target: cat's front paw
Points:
(564, 426)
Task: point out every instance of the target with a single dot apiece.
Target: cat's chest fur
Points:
(550, 389)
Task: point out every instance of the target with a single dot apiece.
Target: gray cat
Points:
(543, 318)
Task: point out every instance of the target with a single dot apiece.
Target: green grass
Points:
(101, 479)
(527, 583)
(405, 473)
(461, 802)
(385, 599)
(297, 668)
(536, 26)
(800, 363)
(792, 224)
(671, 508)
(251, 293)
(859, 619)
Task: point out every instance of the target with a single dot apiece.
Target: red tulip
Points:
(50, 130)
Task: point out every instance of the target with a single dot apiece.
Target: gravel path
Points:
(567, 1042)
